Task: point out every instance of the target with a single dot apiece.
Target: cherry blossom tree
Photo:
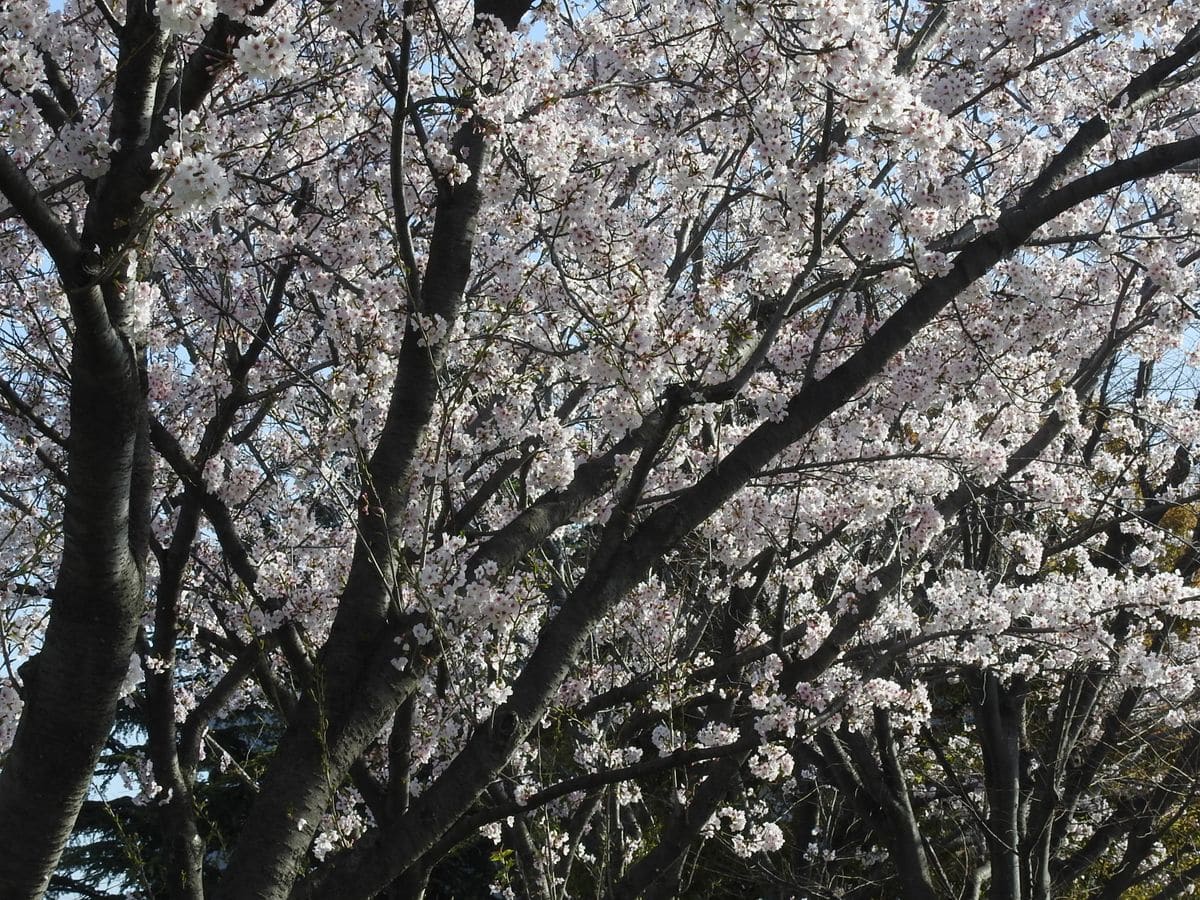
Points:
(728, 448)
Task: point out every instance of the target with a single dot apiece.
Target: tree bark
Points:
(1000, 714)
(72, 685)
(352, 694)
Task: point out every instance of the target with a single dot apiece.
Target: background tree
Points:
(600, 449)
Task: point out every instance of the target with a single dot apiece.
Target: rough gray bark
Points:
(72, 685)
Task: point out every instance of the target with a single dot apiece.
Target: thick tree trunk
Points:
(72, 685)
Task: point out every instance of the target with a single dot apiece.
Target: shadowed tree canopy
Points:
(599, 449)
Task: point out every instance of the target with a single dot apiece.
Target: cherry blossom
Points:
(750, 438)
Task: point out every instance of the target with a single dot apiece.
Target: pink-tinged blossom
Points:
(266, 57)
(185, 17)
(671, 428)
(198, 183)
